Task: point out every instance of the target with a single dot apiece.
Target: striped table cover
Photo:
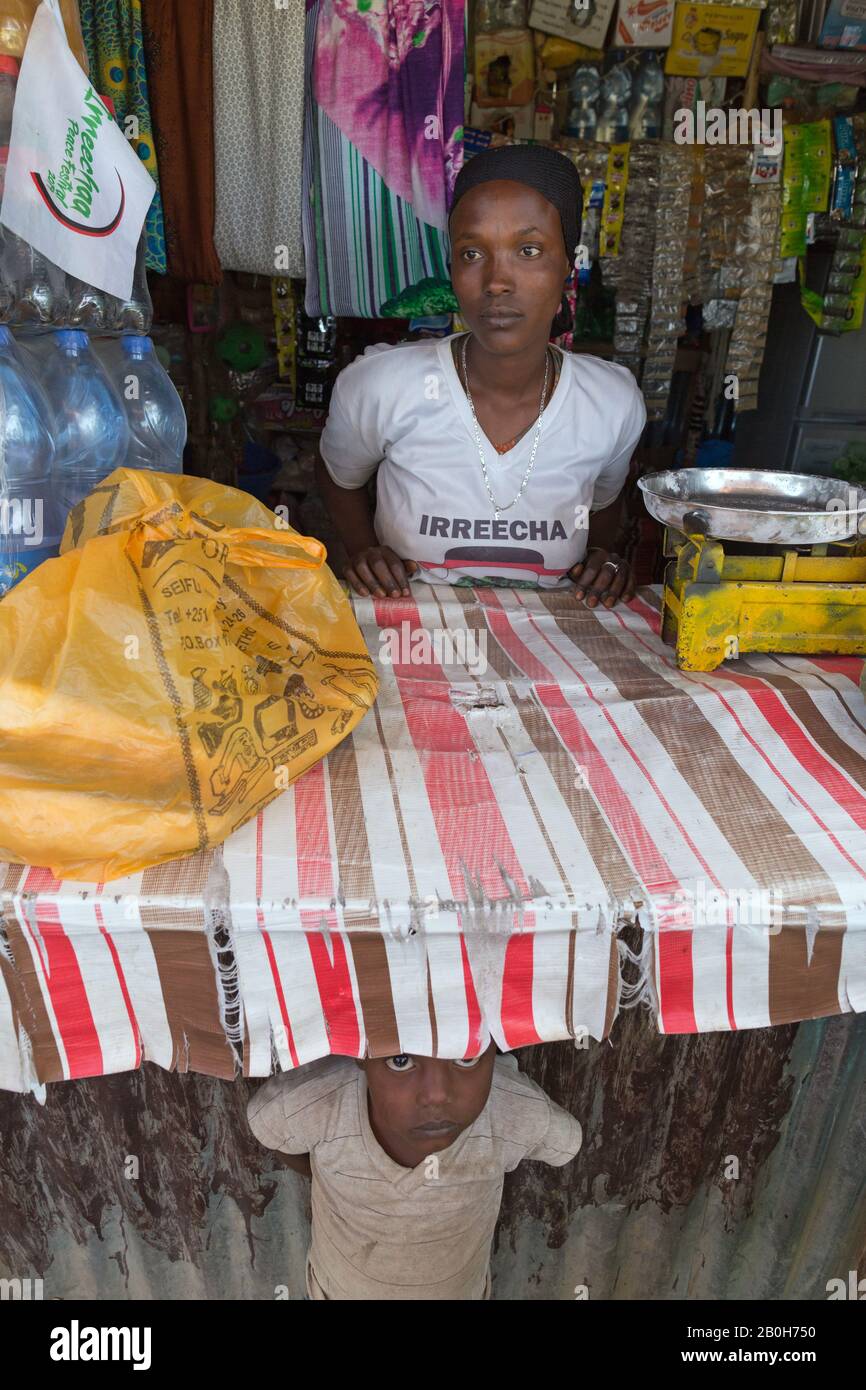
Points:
(534, 779)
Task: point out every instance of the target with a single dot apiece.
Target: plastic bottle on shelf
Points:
(646, 108)
(91, 435)
(32, 288)
(88, 306)
(583, 90)
(133, 315)
(154, 411)
(30, 521)
(8, 83)
(613, 113)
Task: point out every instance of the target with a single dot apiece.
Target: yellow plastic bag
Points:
(180, 663)
(16, 17)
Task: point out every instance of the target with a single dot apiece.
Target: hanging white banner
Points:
(74, 188)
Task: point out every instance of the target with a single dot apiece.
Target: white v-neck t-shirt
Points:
(402, 410)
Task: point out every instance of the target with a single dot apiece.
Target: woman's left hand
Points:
(602, 577)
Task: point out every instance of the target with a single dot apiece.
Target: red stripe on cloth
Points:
(472, 1005)
(124, 989)
(316, 880)
(281, 998)
(518, 1026)
(675, 947)
(65, 987)
(850, 666)
(650, 615)
(42, 881)
(811, 759)
(469, 823)
(767, 699)
(269, 945)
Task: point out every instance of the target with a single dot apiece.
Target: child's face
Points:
(419, 1105)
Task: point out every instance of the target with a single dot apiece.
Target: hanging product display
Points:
(258, 63)
(613, 209)
(631, 272)
(115, 47)
(176, 36)
(755, 254)
(840, 309)
(667, 314)
(380, 161)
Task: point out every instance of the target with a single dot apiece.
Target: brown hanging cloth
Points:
(178, 45)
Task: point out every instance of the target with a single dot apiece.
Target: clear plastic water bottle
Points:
(8, 84)
(583, 89)
(133, 315)
(154, 411)
(646, 108)
(32, 288)
(30, 521)
(91, 435)
(613, 110)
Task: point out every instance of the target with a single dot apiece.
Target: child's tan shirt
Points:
(381, 1231)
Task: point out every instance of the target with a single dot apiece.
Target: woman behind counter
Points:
(500, 459)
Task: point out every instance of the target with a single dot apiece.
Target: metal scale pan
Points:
(764, 508)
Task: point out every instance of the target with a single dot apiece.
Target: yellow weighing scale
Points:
(786, 593)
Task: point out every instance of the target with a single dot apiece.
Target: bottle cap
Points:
(71, 337)
(135, 344)
(9, 65)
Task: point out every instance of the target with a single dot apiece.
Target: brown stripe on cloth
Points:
(496, 656)
(188, 979)
(27, 1001)
(355, 879)
(11, 876)
(187, 974)
(651, 596)
(775, 857)
(431, 1008)
(804, 708)
(613, 867)
(799, 988)
(794, 981)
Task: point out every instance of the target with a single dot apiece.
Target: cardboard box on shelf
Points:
(644, 24)
(504, 68)
(844, 25)
(712, 40)
(587, 25)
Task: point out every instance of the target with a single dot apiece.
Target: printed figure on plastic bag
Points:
(180, 664)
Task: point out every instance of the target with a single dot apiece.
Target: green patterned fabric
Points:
(115, 52)
(491, 582)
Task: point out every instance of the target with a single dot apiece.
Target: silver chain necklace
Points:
(506, 506)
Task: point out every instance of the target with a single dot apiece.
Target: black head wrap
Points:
(547, 171)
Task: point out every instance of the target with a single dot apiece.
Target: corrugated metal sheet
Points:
(645, 1211)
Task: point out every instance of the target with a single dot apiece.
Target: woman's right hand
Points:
(377, 570)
